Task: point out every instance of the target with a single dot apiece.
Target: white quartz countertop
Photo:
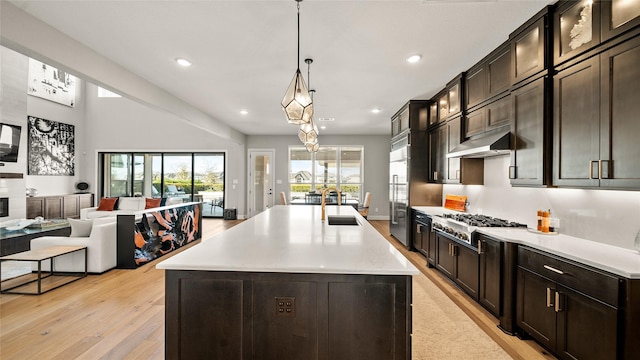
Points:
(616, 260)
(293, 239)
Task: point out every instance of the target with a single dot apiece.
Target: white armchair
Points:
(101, 249)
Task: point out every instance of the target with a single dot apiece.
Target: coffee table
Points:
(40, 255)
(16, 241)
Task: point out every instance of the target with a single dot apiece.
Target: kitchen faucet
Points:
(324, 199)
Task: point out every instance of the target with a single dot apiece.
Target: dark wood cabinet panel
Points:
(619, 125)
(576, 29)
(499, 70)
(445, 261)
(477, 85)
(490, 265)
(466, 274)
(529, 48)
(618, 17)
(576, 124)
(35, 207)
(438, 138)
(235, 315)
(530, 134)
(71, 206)
(489, 78)
(433, 113)
(454, 138)
(561, 316)
(490, 117)
(53, 207)
(580, 317)
(58, 207)
(595, 120)
(451, 170)
(424, 237)
(459, 263)
(534, 309)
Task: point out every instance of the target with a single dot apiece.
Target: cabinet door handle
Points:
(605, 169)
(435, 175)
(418, 229)
(591, 163)
(454, 250)
(512, 172)
(558, 308)
(554, 269)
(480, 251)
(549, 304)
(449, 251)
(457, 174)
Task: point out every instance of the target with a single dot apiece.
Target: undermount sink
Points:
(342, 220)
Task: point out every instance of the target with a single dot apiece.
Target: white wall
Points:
(121, 124)
(16, 106)
(376, 163)
(606, 216)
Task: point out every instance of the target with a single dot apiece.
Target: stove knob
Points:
(464, 236)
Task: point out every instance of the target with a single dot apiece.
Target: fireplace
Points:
(4, 207)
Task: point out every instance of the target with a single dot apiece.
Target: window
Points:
(331, 166)
(181, 176)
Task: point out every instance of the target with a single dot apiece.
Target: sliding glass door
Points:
(183, 177)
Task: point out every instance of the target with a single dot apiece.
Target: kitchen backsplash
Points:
(606, 216)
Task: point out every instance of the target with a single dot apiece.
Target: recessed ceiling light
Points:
(323, 127)
(376, 110)
(327, 119)
(414, 58)
(183, 62)
(244, 112)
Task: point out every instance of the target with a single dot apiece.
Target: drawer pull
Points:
(549, 304)
(554, 269)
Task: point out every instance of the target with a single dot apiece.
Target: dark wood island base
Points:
(280, 316)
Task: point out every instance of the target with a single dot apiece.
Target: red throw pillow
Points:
(107, 204)
(152, 203)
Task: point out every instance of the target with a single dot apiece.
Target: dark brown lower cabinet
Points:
(58, 206)
(424, 237)
(458, 262)
(559, 305)
(490, 264)
(280, 316)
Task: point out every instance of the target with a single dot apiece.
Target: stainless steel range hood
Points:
(491, 145)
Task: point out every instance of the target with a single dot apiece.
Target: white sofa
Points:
(126, 206)
(102, 253)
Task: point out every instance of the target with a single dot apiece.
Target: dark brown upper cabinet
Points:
(576, 27)
(449, 101)
(530, 134)
(413, 116)
(433, 113)
(488, 78)
(529, 48)
(492, 116)
(596, 123)
(619, 16)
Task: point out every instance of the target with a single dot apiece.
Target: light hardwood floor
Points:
(120, 314)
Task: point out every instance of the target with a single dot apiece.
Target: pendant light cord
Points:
(298, 1)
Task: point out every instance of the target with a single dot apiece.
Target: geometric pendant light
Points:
(308, 132)
(297, 103)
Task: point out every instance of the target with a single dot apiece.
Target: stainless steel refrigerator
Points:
(408, 169)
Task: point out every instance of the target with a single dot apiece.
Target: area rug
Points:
(12, 269)
(441, 330)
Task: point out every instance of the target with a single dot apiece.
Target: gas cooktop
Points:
(463, 226)
(482, 220)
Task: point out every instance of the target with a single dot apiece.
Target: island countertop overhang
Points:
(293, 239)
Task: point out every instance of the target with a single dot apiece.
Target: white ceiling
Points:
(244, 52)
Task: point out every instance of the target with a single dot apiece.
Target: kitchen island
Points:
(285, 285)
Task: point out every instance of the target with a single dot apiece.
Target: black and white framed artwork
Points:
(48, 82)
(51, 147)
